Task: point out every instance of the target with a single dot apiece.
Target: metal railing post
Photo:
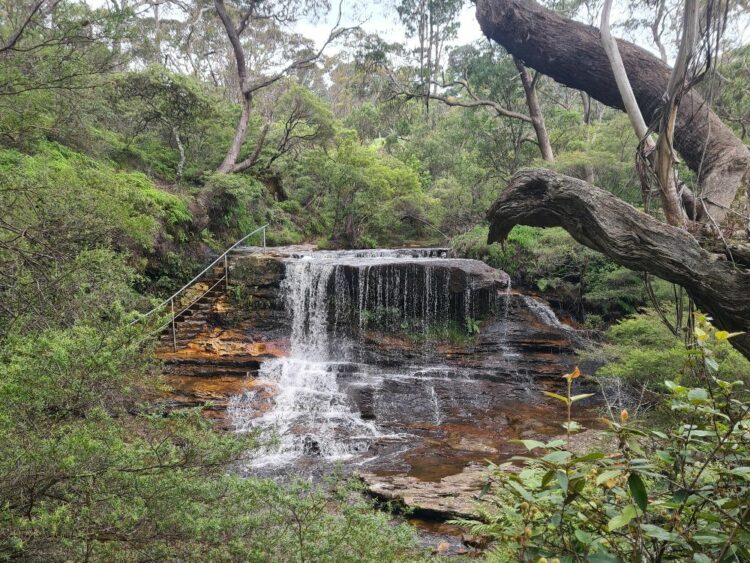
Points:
(170, 300)
(174, 331)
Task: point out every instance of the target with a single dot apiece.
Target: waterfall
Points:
(330, 297)
(310, 415)
(544, 313)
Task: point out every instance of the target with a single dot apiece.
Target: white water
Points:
(311, 415)
(544, 313)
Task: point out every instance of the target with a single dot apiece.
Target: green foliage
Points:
(641, 349)
(565, 271)
(681, 494)
(79, 201)
(237, 204)
(87, 473)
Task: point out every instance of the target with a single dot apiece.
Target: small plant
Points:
(678, 494)
(472, 326)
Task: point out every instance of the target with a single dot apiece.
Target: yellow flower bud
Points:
(542, 560)
(524, 506)
(624, 416)
(527, 532)
(555, 560)
(572, 375)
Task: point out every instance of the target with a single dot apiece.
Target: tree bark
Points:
(572, 54)
(535, 112)
(601, 221)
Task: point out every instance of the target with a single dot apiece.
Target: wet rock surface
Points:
(287, 350)
(453, 496)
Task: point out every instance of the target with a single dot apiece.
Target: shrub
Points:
(682, 494)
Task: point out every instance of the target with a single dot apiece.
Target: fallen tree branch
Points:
(601, 221)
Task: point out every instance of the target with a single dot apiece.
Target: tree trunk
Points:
(601, 221)
(571, 53)
(535, 112)
(233, 152)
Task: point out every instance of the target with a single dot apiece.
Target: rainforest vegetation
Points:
(140, 138)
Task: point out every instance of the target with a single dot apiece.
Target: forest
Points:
(589, 200)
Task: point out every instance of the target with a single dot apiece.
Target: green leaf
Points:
(743, 471)
(622, 519)
(659, 533)
(580, 397)
(697, 395)
(530, 444)
(521, 491)
(701, 558)
(607, 475)
(562, 479)
(584, 537)
(557, 458)
(706, 539)
(556, 396)
(638, 490)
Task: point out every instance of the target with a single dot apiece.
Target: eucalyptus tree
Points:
(264, 54)
(433, 23)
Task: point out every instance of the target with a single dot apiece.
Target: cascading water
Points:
(368, 377)
(544, 313)
(329, 297)
(311, 416)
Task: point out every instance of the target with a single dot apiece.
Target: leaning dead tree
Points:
(572, 54)
(598, 219)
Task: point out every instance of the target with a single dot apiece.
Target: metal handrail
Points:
(171, 299)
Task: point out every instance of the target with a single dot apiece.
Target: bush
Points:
(641, 349)
(682, 494)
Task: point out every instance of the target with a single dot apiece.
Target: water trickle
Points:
(544, 313)
(437, 415)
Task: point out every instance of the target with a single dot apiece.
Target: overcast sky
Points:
(380, 17)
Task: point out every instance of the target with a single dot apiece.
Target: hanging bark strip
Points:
(572, 54)
(598, 219)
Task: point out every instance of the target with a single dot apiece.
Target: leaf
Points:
(607, 475)
(548, 477)
(622, 519)
(697, 395)
(580, 397)
(724, 335)
(572, 375)
(530, 444)
(521, 491)
(557, 458)
(584, 537)
(638, 490)
(556, 396)
(562, 480)
(658, 533)
(701, 558)
(705, 539)
(571, 426)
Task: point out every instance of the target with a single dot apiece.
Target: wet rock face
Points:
(343, 347)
